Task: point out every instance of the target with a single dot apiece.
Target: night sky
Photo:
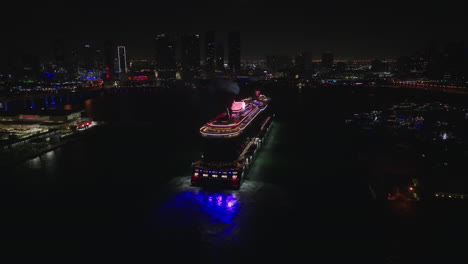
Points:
(349, 29)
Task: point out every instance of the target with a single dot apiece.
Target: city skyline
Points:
(362, 30)
(144, 49)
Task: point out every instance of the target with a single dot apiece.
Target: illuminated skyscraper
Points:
(190, 55)
(210, 51)
(58, 47)
(234, 51)
(30, 66)
(109, 58)
(219, 56)
(74, 65)
(122, 59)
(59, 68)
(303, 63)
(165, 61)
(453, 59)
(87, 56)
(99, 60)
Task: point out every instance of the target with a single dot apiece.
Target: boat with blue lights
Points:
(231, 141)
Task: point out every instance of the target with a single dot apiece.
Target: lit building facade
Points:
(109, 58)
(122, 59)
(190, 56)
(87, 57)
(210, 51)
(234, 52)
(219, 56)
(303, 64)
(165, 59)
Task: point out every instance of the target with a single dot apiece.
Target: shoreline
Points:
(70, 139)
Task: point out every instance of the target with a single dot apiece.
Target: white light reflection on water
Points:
(45, 164)
(34, 163)
(50, 160)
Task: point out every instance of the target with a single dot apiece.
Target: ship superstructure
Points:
(231, 141)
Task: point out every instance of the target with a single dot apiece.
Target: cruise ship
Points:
(231, 141)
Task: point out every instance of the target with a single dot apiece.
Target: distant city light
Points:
(444, 136)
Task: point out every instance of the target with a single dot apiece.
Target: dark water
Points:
(123, 194)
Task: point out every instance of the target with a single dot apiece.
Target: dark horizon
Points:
(349, 30)
(142, 47)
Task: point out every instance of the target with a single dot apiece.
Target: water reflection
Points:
(88, 106)
(34, 163)
(220, 207)
(216, 207)
(207, 218)
(51, 161)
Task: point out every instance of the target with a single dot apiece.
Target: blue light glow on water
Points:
(212, 215)
(219, 207)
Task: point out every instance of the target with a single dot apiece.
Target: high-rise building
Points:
(418, 62)
(57, 67)
(403, 65)
(210, 51)
(122, 59)
(74, 64)
(379, 65)
(234, 52)
(453, 59)
(30, 66)
(327, 61)
(58, 50)
(87, 56)
(109, 58)
(190, 56)
(165, 60)
(99, 59)
(219, 56)
(12, 63)
(433, 56)
(303, 63)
